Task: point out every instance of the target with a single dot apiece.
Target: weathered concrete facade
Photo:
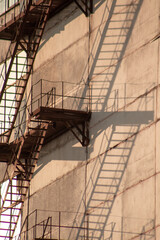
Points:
(110, 189)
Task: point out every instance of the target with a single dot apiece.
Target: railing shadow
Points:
(108, 48)
(57, 225)
(119, 137)
(108, 168)
(105, 179)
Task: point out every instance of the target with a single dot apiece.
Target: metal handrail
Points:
(7, 9)
(5, 69)
(51, 98)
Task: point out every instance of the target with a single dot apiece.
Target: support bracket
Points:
(80, 131)
(86, 6)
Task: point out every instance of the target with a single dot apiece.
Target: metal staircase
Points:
(18, 183)
(25, 35)
(16, 71)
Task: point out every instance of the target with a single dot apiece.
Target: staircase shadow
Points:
(108, 43)
(106, 175)
(109, 166)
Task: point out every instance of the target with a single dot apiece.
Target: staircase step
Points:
(26, 165)
(5, 237)
(16, 194)
(19, 86)
(14, 93)
(14, 201)
(8, 222)
(9, 107)
(5, 229)
(23, 172)
(19, 186)
(18, 209)
(35, 136)
(39, 121)
(37, 129)
(9, 215)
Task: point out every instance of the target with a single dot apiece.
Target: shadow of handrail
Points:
(112, 36)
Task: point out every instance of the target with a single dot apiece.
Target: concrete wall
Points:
(111, 189)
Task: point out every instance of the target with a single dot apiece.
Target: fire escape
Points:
(21, 153)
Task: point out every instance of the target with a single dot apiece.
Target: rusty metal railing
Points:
(45, 93)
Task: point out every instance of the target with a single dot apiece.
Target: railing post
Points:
(36, 223)
(87, 226)
(5, 112)
(5, 13)
(35, 226)
(51, 228)
(43, 227)
(0, 131)
(59, 225)
(5, 97)
(18, 124)
(14, 9)
(62, 92)
(54, 97)
(90, 97)
(41, 92)
(31, 98)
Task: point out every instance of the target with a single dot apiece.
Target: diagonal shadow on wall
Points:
(109, 167)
